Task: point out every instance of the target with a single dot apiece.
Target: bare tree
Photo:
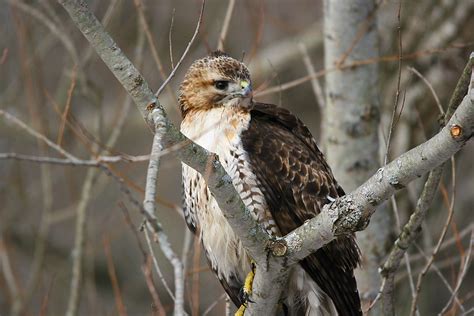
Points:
(352, 120)
(351, 126)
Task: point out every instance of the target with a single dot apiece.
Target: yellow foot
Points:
(249, 282)
(246, 291)
(241, 310)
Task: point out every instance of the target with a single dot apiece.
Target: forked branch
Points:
(345, 215)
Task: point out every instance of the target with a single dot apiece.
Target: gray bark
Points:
(352, 116)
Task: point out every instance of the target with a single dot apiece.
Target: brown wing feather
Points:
(296, 183)
(232, 286)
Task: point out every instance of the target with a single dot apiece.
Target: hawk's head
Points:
(214, 81)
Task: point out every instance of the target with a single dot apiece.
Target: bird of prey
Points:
(280, 175)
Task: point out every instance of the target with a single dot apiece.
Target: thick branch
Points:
(352, 212)
(219, 182)
(412, 228)
(150, 207)
(111, 54)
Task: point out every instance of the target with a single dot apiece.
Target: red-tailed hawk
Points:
(281, 176)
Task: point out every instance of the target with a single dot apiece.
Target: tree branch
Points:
(345, 215)
(225, 25)
(111, 54)
(188, 152)
(150, 207)
(68, 162)
(412, 227)
(352, 212)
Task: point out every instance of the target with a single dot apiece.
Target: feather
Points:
(282, 178)
(296, 183)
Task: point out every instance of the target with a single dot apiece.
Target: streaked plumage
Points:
(280, 175)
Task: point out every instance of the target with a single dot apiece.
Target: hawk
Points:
(281, 176)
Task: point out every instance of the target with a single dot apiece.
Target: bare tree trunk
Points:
(352, 115)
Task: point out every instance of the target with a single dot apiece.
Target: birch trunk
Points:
(351, 119)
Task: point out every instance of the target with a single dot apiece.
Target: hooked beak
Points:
(240, 91)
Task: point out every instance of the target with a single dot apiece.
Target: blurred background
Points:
(52, 80)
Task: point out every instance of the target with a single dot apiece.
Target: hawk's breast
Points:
(218, 130)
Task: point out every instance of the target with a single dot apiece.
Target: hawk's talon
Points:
(245, 297)
(246, 291)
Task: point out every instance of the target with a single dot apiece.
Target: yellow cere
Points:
(244, 84)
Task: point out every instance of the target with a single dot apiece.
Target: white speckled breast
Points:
(218, 131)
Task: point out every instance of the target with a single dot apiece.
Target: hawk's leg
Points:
(246, 291)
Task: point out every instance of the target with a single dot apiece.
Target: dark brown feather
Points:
(296, 182)
(232, 287)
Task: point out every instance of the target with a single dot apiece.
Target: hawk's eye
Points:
(221, 84)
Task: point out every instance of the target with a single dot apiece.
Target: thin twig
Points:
(121, 309)
(4, 56)
(157, 266)
(186, 50)
(7, 269)
(399, 78)
(170, 36)
(134, 229)
(38, 124)
(441, 265)
(77, 162)
(57, 31)
(79, 244)
(435, 268)
(146, 267)
(258, 38)
(428, 84)
(50, 10)
(320, 73)
(45, 301)
(317, 90)
(461, 277)
(225, 25)
(151, 43)
(213, 304)
(149, 36)
(78, 130)
(67, 107)
(405, 255)
(427, 266)
(37, 135)
(53, 28)
(466, 230)
(393, 201)
(157, 305)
